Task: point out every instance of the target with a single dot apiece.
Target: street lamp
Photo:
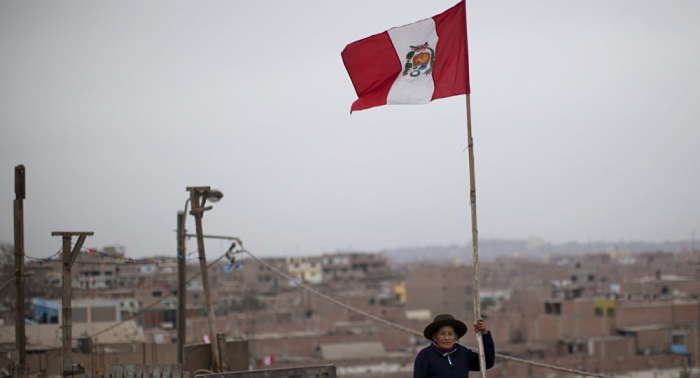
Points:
(214, 195)
(198, 197)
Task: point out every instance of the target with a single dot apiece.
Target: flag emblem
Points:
(420, 58)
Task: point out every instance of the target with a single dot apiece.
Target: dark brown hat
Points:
(443, 320)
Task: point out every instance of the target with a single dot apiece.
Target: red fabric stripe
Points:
(451, 68)
(373, 66)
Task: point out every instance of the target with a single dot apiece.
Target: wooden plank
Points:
(177, 371)
(117, 371)
(166, 371)
(156, 371)
(108, 371)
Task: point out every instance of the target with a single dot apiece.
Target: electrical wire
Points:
(299, 283)
(157, 302)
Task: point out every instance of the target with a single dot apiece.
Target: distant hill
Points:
(489, 249)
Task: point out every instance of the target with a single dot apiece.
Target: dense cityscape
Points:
(612, 312)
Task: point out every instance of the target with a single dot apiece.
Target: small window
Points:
(611, 313)
(678, 339)
(156, 294)
(552, 308)
(598, 311)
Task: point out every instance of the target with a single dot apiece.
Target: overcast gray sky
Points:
(585, 117)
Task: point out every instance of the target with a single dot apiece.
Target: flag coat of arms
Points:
(411, 64)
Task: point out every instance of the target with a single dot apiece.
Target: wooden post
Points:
(198, 197)
(223, 352)
(69, 256)
(181, 287)
(475, 237)
(20, 339)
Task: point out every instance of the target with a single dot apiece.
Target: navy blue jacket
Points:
(432, 362)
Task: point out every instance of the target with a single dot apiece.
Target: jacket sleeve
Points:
(489, 354)
(420, 366)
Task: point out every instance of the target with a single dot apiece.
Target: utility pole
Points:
(198, 198)
(20, 341)
(69, 256)
(181, 287)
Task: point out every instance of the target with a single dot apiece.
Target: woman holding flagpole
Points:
(445, 357)
(416, 64)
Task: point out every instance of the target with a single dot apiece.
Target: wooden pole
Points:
(472, 201)
(69, 256)
(198, 197)
(20, 339)
(181, 287)
(475, 237)
(67, 309)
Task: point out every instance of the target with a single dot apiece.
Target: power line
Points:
(157, 302)
(402, 328)
(299, 283)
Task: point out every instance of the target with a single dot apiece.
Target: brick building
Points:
(441, 289)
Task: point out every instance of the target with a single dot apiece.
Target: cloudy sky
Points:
(585, 117)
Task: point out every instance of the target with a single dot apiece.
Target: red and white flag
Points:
(411, 64)
(268, 360)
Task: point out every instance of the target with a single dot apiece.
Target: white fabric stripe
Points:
(415, 87)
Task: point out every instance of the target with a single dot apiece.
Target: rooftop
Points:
(645, 327)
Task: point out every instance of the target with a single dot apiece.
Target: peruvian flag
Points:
(411, 64)
(268, 360)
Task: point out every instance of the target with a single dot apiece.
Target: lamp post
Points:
(198, 198)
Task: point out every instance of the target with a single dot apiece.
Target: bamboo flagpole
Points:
(472, 202)
(475, 237)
